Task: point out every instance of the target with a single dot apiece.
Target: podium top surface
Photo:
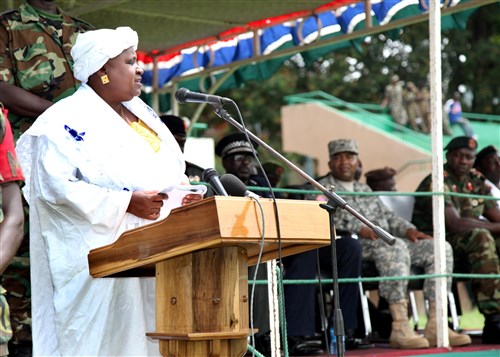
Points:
(217, 222)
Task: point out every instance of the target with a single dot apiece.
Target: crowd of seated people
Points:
(413, 246)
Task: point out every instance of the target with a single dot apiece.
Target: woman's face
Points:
(124, 76)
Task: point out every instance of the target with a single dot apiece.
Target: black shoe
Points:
(263, 344)
(300, 346)
(491, 329)
(352, 343)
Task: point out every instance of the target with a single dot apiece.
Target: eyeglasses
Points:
(241, 158)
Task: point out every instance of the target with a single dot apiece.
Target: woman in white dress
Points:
(94, 165)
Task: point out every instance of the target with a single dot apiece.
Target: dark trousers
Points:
(300, 299)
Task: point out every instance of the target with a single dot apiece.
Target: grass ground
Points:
(469, 320)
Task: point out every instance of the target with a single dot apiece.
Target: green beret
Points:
(461, 142)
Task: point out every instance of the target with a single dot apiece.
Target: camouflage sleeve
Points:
(345, 221)
(6, 65)
(5, 327)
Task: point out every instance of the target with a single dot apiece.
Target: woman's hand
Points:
(190, 198)
(146, 204)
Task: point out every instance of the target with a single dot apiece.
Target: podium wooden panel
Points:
(199, 255)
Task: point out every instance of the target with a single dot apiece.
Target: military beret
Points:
(175, 124)
(235, 143)
(488, 150)
(342, 145)
(461, 142)
(380, 174)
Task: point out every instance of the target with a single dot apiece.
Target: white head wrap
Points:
(93, 49)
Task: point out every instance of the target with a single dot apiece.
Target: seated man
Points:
(475, 241)
(414, 247)
(237, 158)
(300, 299)
(383, 180)
(177, 127)
(488, 163)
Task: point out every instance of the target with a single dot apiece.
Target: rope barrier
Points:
(381, 278)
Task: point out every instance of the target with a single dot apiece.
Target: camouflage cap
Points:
(461, 142)
(342, 145)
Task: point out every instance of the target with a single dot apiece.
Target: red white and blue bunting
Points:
(276, 34)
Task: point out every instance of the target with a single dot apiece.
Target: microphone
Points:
(235, 187)
(185, 96)
(212, 177)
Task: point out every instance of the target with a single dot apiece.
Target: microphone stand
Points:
(334, 201)
(333, 198)
(338, 319)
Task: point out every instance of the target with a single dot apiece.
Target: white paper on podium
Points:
(177, 192)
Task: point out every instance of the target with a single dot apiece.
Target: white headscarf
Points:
(93, 49)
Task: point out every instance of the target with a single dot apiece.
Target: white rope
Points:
(274, 315)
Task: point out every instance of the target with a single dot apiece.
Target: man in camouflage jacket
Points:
(472, 227)
(412, 247)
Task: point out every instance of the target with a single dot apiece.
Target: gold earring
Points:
(105, 79)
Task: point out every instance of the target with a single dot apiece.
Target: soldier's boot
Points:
(430, 332)
(402, 336)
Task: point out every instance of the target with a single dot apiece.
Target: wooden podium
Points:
(199, 255)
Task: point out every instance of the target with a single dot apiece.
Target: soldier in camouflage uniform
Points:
(393, 98)
(475, 241)
(11, 218)
(414, 247)
(36, 70)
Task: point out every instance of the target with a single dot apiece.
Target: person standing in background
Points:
(393, 99)
(424, 103)
(413, 109)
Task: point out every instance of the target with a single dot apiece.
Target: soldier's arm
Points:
(455, 223)
(493, 214)
(22, 102)
(16, 99)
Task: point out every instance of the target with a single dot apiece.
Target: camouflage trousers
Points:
(396, 261)
(477, 252)
(5, 328)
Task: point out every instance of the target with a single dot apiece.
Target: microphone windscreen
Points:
(233, 185)
(208, 174)
(180, 95)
